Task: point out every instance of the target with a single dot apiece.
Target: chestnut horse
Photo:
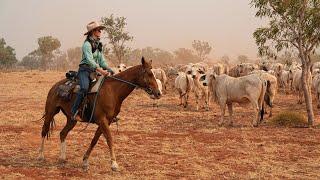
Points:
(112, 93)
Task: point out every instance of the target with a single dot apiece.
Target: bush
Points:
(289, 119)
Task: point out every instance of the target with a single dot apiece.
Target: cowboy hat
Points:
(92, 26)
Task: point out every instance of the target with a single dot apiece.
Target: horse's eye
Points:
(189, 72)
(118, 66)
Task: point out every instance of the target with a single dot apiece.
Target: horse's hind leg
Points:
(88, 152)
(63, 135)
(48, 123)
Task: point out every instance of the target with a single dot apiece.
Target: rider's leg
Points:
(84, 86)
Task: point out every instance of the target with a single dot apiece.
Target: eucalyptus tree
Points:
(293, 24)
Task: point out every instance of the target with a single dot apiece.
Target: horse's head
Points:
(147, 80)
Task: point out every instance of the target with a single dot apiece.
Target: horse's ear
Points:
(143, 62)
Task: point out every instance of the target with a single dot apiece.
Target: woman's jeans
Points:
(84, 81)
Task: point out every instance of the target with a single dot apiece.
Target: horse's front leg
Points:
(88, 152)
(104, 125)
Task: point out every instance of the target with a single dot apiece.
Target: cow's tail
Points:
(188, 87)
(262, 98)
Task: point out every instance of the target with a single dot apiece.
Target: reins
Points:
(96, 96)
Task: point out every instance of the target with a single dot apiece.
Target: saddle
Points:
(71, 86)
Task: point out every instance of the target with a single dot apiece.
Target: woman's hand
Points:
(102, 72)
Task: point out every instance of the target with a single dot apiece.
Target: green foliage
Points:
(287, 58)
(32, 60)
(289, 119)
(47, 45)
(293, 24)
(46, 55)
(117, 36)
(202, 49)
(74, 56)
(7, 55)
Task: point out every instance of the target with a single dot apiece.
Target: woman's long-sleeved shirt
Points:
(94, 60)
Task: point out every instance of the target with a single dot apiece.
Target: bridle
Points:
(146, 89)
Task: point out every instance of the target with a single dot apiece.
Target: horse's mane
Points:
(126, 72)
(134, 68)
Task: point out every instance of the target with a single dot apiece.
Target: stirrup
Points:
(74, 117)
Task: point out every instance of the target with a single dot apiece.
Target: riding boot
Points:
(75, 107)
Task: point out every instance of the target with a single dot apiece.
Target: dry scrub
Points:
(164, 142)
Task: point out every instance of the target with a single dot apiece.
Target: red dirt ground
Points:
(164, 142)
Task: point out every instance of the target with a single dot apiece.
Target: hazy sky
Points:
(167, 24)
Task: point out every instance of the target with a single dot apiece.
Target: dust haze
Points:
(227, 25)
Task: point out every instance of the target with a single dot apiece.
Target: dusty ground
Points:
(164, 142)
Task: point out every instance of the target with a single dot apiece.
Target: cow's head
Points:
(121, 67)
(194, 71)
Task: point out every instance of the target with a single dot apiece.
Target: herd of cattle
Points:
(256, 84)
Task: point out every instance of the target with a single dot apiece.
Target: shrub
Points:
(289, 119)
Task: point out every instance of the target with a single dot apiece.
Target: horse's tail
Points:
(48, 125)
(51, 109)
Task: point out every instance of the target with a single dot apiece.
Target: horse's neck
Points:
(120, 89)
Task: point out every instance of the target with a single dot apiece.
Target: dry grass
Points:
(289, 119)
(164, 142)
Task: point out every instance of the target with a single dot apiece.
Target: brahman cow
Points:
(184, 85)
(227, 90)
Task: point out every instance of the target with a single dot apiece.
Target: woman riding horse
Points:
(92, 61)
(114, 90)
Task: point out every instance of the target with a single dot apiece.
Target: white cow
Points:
(271, 87)
(297, 84)
(201, 92)
(316, 87)
(184, 85)
(161, 75)
(227, 90)
(284, 80)
(245, 68)
(120, 68)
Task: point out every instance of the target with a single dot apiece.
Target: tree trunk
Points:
(307, 91)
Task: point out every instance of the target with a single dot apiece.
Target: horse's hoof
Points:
(62, 161)
(114, 166)
(41, 157)
(85, 167)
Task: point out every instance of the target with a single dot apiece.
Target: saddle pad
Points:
(95, 87)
